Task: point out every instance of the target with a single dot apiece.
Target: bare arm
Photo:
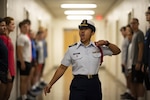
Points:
(112, 47)
(140, 56)
(59, 72)
(140, 53)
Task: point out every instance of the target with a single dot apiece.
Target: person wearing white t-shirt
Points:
(128, 71)
(24, 54)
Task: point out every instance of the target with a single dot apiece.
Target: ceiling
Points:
(53, 6)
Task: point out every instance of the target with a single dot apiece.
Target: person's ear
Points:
(93, 32)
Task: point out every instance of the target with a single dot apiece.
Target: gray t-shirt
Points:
(124, 50)
(138, 37)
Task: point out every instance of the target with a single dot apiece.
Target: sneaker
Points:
(124, 95)
(42, 84)
(19, 98)
(30, 96)
(36, 91)
(128, 96)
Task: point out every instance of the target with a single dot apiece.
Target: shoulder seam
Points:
(73, 45)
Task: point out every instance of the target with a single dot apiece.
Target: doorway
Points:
(71, 36)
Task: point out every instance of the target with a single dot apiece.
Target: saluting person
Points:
(85, 58)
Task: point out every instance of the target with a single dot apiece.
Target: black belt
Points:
(86, 76)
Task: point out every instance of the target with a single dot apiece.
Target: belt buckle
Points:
(89, 76)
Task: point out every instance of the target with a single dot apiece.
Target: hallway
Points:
(108, 26)
(111, 88)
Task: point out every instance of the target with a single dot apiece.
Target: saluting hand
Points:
(101, 42)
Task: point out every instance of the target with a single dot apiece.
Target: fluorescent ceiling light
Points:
(80, 12)
(78, 5)
(70, 17)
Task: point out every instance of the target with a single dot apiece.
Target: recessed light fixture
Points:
(70, 17)
(75, 12)
(78, 5)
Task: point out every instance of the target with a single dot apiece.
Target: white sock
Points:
(128, 91)
(140, 98)
(24, 97)
(41, 79)
(35, 85)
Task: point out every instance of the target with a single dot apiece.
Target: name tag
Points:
(76, 53)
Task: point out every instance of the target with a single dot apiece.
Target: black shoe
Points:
(124, 94)
(42, 85)
(128, 96)
(30, 96)
(19, 98)
(36, 91)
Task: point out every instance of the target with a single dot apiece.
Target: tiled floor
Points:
(110, 87)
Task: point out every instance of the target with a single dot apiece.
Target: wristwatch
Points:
(107, 44)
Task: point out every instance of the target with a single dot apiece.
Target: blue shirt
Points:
(85, 60)
(33, 49)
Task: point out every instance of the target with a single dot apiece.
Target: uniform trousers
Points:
(83, 88)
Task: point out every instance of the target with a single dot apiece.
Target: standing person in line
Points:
(6, 88)
(3, 58)
(28, 23)
(11, 61)
(24, 54)
(85, 57)
(36, 88)
(124, 50)
(129, 33)
(146, 57)
(136, 56)
(34, 56)
(32, 76)
(45, 32)
(42, 54)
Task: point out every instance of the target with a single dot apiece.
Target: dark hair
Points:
(135, 20)
(39, 32)
(123, 28)
(130, 28)
(21, 24)
(1, 20)
(8, 20)
(148, 8)
(27, 21)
